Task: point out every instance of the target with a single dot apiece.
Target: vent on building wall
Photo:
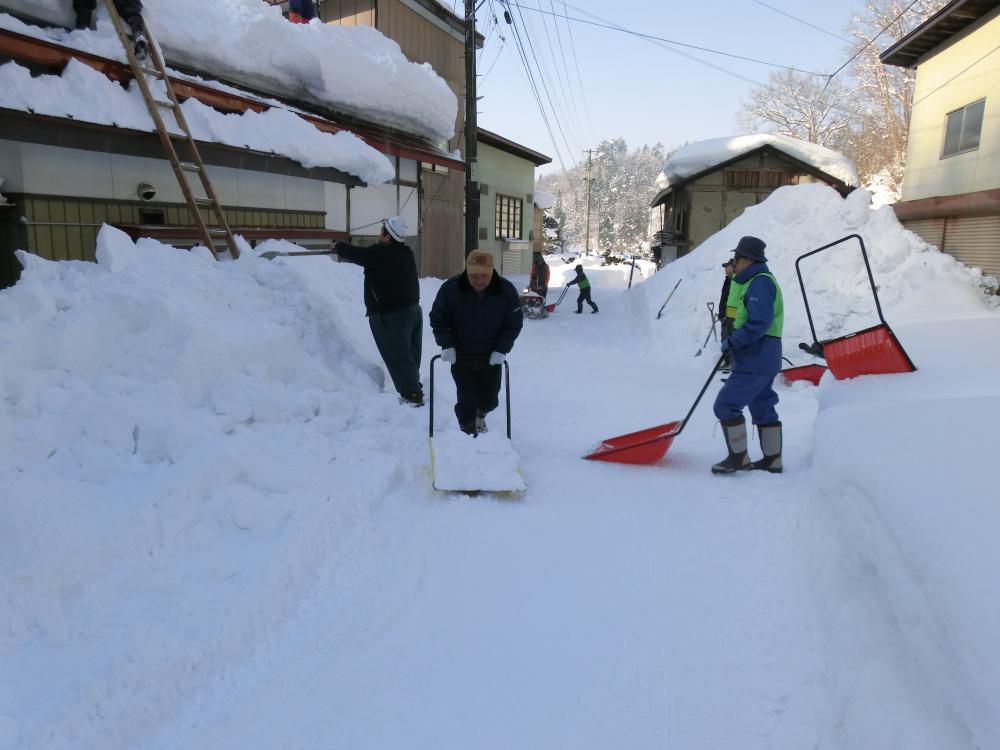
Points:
(529, 198)
(484, 189)
(483, 235)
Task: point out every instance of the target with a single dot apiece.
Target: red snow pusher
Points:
(554, 305)
(812, 373)
(647, 446)
(871, 351)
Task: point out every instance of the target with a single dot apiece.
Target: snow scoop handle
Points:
(430, 404)
(658, 314)
(815, 349)
(704, 388)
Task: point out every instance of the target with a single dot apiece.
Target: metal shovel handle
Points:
(430, 405)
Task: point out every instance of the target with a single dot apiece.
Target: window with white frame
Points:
(963, 128)
(508, 219)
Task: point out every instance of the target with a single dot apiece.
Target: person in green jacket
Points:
(584, 282)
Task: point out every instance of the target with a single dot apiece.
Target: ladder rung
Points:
(204, 201)
(217, 230)
(152, 72)
(188, 166)
(164, 103)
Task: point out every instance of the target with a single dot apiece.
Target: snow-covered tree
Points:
(622, 184)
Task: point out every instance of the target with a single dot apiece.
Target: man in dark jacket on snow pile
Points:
(755, 345)
(476, 317)
(584, 296)
(392, 303)
(129, 10)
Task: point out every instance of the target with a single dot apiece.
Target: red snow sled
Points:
(871, 351)
(646, 446)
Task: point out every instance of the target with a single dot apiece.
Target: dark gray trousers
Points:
(399, 337)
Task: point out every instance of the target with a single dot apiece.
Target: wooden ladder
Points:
(155, 68)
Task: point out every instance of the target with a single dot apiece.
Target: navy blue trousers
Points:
(747, 389)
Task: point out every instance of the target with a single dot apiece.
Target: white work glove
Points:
(448, 355)
(497, 358)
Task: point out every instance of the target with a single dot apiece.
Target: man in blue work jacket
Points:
(756, 306)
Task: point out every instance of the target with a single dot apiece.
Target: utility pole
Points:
(586, 249)
(471, 164)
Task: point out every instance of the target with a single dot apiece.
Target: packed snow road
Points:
(610, 606)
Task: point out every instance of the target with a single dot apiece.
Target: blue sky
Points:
(638, 89)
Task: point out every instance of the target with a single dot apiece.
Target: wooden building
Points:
(427, 32)
(692, 209)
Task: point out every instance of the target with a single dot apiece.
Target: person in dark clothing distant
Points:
(476, 317)
(538, 280)
(392, 303)
(301, 11)
(725, 313)
(129, 10)
(584, 296)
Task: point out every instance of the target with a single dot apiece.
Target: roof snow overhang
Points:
(64, 132)
(839, 185)
(33, 51)
(504, 144)
(953, 18)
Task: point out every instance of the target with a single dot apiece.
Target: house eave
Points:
(950, 20)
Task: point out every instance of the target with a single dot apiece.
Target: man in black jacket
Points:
(476, 317)
(392, 303)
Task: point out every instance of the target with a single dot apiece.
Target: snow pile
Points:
(915, 281)
(83, 94)
(697, 157)
(181, 445)
(354, 70)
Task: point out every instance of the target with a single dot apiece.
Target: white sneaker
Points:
(481, 422)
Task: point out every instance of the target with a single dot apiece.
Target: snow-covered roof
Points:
(85, 95)
(544, 200)
(703, 155)
(353, 70)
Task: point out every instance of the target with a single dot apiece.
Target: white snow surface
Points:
(84, 94)
(216, 531)
(544, 200)
(697, 157)
(353, 70)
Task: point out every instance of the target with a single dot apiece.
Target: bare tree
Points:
(864, 111)
(800, 106)
(886, 91)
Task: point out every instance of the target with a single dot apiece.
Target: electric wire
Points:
(869, 43)
(806, 23)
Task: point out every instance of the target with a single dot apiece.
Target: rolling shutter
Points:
(975, 240)
(930, 231)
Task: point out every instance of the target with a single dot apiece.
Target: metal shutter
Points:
(930, 231)
(975, 240)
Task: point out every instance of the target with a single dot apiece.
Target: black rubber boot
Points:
(770, 444)
(735, 433)
(141, 49)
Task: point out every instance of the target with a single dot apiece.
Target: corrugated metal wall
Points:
(974, 240)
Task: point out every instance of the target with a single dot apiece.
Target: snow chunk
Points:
(697, 157)
(487, 462)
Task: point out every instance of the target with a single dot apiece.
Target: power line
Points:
(959, 73)
(538, 99)
(795, 18)
(560, 89)
(545, 87)
(579, 75)
(622, 29)
(869, 43)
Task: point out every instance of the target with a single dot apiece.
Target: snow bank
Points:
(176, 464)
(697, 157)
(915, 282)
(907, 540)
(354, 70)
(84, 94)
